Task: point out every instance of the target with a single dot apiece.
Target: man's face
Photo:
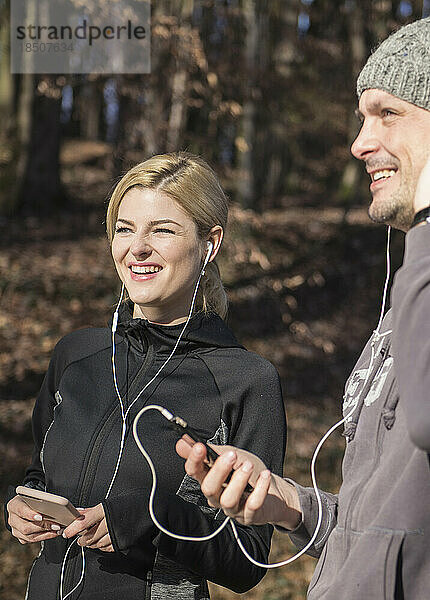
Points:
(394, 142)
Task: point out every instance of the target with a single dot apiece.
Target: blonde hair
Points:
(190, 182)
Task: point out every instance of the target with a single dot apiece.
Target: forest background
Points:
(265, 91)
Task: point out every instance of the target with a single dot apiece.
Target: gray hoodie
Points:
(374, 542)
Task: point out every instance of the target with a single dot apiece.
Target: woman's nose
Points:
(140, 248)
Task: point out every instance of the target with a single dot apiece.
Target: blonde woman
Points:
(166, 219)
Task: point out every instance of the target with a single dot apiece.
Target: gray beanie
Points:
(401, 65)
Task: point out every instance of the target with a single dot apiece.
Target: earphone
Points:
(210, 247)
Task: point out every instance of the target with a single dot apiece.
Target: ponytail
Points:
(214, 297)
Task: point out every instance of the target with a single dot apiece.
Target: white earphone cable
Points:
(377, 335)
(124, 413)
(154, 485)
(63, 567)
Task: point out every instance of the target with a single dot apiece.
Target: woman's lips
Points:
(144, 272)
(142, 276)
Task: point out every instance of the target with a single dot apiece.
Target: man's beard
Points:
(397, 210)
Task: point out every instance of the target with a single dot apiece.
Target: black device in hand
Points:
(185, 431)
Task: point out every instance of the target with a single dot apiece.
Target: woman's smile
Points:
(144, 271)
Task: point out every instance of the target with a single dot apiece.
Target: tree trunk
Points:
(177, 110)
(245, 141)
(41, 189)
(6, 82)
(178, 105)
(9, 143)
(279, 53)
(357, 43)
(125, 108)
(91, 99)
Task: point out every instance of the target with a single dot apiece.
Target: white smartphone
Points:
(52, 507)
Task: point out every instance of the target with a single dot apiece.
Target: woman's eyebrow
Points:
(161, 221)
(151, 223)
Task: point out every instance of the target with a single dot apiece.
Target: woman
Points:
(165, 220)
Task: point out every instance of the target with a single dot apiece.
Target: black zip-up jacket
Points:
(228, 394)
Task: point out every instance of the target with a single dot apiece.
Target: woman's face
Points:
(158, 255)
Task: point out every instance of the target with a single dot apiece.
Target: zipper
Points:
(27, 589)
(93, 459)
(90, 471)
(148, 586)
(58, 400)
(383, 353)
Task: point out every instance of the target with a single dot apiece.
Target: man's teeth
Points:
(383, 174)
(145, 269)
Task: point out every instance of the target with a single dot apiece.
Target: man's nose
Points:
(366, 142)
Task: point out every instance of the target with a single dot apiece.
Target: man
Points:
(374, 540)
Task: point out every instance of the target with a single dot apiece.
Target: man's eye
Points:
(387, 112)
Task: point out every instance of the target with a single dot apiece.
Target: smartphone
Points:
(191, 436)
(52, 507)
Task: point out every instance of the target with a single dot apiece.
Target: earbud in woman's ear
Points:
(210, 247)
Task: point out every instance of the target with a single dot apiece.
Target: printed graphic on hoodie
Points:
(356, 382)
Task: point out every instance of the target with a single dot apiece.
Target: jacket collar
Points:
(204, 330)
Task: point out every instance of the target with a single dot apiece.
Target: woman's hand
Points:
(273, 500)
(29, 526)
(92, 529)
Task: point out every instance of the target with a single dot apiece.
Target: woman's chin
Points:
(141, 308)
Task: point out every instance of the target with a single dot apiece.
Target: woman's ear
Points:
(215, 238)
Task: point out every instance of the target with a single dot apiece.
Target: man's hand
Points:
(422, 194)
(272, 501)
(92, 528)
(27, 525)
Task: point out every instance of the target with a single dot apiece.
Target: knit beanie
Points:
(401, 65)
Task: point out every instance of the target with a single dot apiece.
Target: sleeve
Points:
(128, 520)
(309, 507)
(411, 334)
(254, 413)
(43, 414)
(41, 420)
